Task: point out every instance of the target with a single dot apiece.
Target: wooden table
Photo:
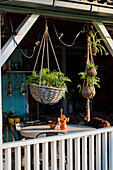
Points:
(33, 131)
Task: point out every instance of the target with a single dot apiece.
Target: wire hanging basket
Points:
(46, 94)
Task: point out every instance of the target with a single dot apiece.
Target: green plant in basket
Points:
(91, 80)
(92, 69)
(96, 43)
(88, 88)
(49, 78)
(92, 65)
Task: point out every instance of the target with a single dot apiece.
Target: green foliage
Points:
(79, 87)
(95, 42)
(51, 79)
(92, 65)
(91, 80)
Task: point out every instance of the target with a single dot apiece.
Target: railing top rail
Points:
(56, 138)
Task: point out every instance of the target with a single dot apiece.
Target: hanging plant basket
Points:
(46, 95)
(88, 92)
(94, 51)
(47, 87)
(91, 72)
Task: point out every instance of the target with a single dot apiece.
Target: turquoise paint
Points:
(18, 102)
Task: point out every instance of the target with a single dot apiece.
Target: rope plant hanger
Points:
(47, 94)
(88, 89)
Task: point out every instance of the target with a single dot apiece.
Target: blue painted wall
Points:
(18, 102)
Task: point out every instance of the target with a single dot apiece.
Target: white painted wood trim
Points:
(91, 152)
(104, 151)
(45, 156)
(18, 158)
(56, 138)
(53, 156)
(98, 152)
(111, 151)
(8, 159)
(77, 153)
(61, 155)
(69, 155)
(22, 30)
(70, 150)
(104, 34)
(27, 158)
(84, 153)
(36, 157)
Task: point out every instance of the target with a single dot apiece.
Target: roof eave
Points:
(63, 8)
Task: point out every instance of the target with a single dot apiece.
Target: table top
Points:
(33, 131)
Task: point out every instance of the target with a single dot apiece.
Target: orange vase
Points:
(63, 125)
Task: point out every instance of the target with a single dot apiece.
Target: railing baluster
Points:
(18, 158)
(101, 155)
(91, 152)
(98, 151)
(110, 150)
(69, 155)
(8, 159)
(27, 158)
(61, 155)
(84, 153)
(77, 153)
(36, 157)
(53, 156)
(104, 151)
(45, 156)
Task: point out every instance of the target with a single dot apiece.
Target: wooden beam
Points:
(22, 30)
(104, 34)
(1, 162)
(68, 14)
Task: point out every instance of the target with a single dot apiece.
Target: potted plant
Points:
(88, 89)
(92, 69)
(95, 43)
(50, 88)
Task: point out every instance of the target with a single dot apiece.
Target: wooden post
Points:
(1, 163)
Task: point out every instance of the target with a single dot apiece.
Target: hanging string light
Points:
(59, 36)
(13, 33)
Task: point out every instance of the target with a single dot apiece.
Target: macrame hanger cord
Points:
(92, 60)
(55, 57)
(42, 59)
(87, 61)
(44, 41)
(47, 45)
(38, 52)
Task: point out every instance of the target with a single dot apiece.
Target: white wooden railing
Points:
(86, 150)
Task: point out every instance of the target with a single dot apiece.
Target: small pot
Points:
(53, 125)
(91, 72)
(88, 92)
(94, 51)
